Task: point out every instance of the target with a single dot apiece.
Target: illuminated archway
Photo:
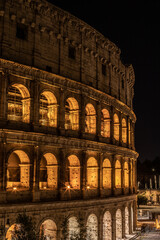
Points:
(49, 229)
(107, 174)
(18, 170)
(74, 172)
(18, 103)
(105, 123)
(126, 221)
(48, 109)
(71, 114)
(107, 226)
(124, 131)
(118, 174)
(73, 228)
(10, 235)
(92, 173)
(126, 175)
(116, 126)
(90, 120)
(48, 172)
(92, 227)
(118, 224)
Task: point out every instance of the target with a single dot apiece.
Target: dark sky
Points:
(134, 26)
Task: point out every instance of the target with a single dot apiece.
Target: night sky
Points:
(134, 26)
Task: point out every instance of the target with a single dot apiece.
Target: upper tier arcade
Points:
(38, 34)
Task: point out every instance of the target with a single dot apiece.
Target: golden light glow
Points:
(105, 123)
(118, 174)
(116, 126)
(68, 187)
(124, 130)
(88, 187)
(90, 120)
(71, 114)
(107, 174)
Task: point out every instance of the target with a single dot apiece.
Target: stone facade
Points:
(66, 124)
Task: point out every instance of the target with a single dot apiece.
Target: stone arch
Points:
(107, 226)
(49, 229)
(92, 227)
(18, 170)
(90, 119)
(126, 221)
(73, 228)
(105, 123)
(124, 131)
(18, 103)
(126, 175)
(116, 126)
(118, 224)
(92, 173)
(11, 230)
(71, 114)
(48, 172)
(74, 171)
(48, 109)
(107, 173)
(118, 174)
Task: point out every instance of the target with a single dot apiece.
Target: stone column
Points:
(84, 174)
(112, 126)
(123, 221)
(122, 176)
(120, 129)
(52, 176)
(113, 175)
(62, 172)
(130, 219)
(100, 174)
(3, 95)
(25, 174)
(61, 112)
(130, 176)
(98, 121)
(113, 215)
(36, 193)
(36, 103)
(82, 117)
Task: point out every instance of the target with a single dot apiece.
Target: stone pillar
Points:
(36, 193)
(84, 174)
(120, 129)
(113, 224)
(52, 176)
(113, 175)
(128, 132)
(123, 221)
(130, 176)
(62, 172)
(122, 176)
(82, 117)
(100, 174)
(134, 215)
(3, 95)
(61, 112)
(35, 102)
(112, 126)
(98, 121)
(130, 219)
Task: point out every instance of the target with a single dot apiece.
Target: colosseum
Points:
(66, 125)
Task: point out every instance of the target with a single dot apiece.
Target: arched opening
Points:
(90, 120)
(126, 175)
(48, 172)
(48, 109)
(126, 221)
(92, 227)
(107, 174)
(105, 123)
(74, 171)
(71, 114)
(18, 103)
(107, 226)
(124, 131)
(10, 235)
(92, 172)
(118, 224)
(118, 174)
(49, 230)
(73, 228)
(18, 170)
(116, 126)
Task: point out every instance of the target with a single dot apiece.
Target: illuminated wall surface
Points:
(66, 125)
